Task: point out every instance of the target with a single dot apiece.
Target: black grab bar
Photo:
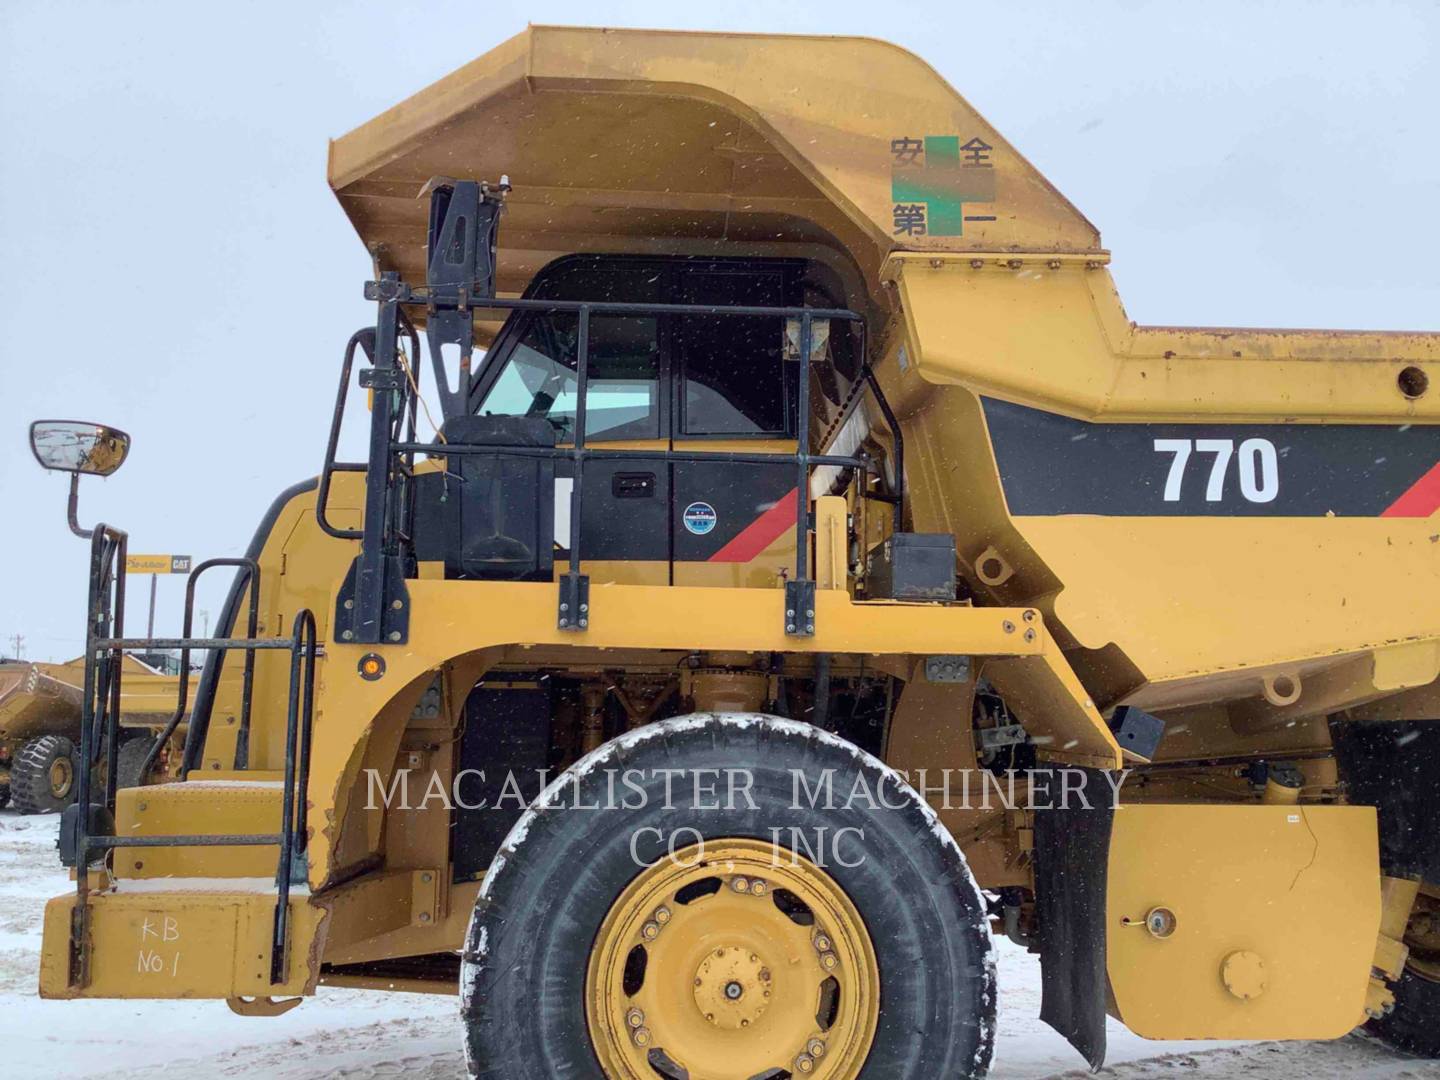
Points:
(251, 576)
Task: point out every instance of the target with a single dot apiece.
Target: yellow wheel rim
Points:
(732, 964)
(62, 773)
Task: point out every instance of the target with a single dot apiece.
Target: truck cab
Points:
(715, 387)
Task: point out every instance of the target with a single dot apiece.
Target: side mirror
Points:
(76, 447)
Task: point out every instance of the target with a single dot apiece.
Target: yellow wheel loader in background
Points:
(815, 573)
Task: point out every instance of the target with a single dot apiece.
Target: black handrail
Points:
(251, 575)
(577, 450)
(362, 339)
(422, 296)
(897, 435)
(802, 455)
(104, 615)
(293, 840)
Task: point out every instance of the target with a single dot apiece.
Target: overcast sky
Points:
(172, 262)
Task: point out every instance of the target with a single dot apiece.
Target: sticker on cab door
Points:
(699, 518)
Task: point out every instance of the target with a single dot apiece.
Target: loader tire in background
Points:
(584, 959)
(42, 775)
(128, 760)
(1414, 1024)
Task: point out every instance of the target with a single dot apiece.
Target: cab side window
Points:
(675, 375)
(734, 380)
(539, 378)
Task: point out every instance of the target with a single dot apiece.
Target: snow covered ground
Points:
(363, 1034)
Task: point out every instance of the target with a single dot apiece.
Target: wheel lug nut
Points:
(741, 884)
(804, 1063)
(828, 960)
(822, 943)
(758, 888)
(635, 1018)
(816, 1048)
(642, 1036)
(662, 915)
(650, 931)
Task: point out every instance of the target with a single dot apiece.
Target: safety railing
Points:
(373, 601)
(92, 830)
(250, 580)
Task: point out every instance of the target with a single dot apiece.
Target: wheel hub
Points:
(732, 987)
(780, 968)
(61, 773)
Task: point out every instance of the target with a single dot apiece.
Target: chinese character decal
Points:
(909, 219)
(931, 180)
(907, 151)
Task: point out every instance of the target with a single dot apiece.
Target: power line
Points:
(19, 642)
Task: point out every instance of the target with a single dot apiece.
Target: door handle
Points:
(633, 485)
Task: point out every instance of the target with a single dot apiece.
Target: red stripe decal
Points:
(1421, 499)
(762, 532)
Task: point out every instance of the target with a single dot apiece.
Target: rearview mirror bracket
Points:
(72, 515)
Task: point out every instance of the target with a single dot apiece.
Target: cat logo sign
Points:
(157, 564)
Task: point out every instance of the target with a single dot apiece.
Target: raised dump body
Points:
(809, 440)
(1126, 478)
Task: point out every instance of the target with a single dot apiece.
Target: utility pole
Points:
(19, 641)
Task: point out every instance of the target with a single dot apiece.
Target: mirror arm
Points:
(74, 507)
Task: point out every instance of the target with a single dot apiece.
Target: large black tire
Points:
(32, 773)
(560, 870)
(129, 758)
(1414, 1024)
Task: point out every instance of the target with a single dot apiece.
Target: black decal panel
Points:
(748, 511)
(1051, 464)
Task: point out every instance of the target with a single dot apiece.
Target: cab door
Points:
(624, 535)
(732, 522)
(708, 384)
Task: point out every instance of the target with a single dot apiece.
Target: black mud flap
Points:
(1394, 766)
(1072, 851)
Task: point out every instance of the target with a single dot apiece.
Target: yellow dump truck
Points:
(811, 573)
(40, 720)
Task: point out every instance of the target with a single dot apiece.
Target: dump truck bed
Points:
(999, 333)
(40, 698)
